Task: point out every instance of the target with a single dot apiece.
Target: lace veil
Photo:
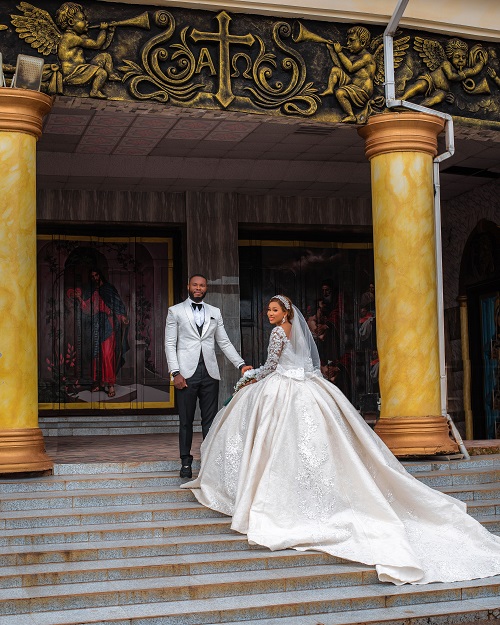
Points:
(304, 354)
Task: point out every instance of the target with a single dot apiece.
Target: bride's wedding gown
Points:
(296, 466)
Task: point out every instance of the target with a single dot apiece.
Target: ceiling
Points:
(90, 144)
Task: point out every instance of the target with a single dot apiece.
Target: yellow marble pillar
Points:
(464, 339)
(401, 148)
(21, 441)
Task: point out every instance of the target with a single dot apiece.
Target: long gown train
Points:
(296, 466)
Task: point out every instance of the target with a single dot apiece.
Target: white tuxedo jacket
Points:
(183, 342)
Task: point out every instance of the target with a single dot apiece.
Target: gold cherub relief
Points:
(456, 64)
(278, 77)
(354, 74)
(67, 37)
(493, 68)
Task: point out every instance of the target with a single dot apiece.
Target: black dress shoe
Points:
(186, 471)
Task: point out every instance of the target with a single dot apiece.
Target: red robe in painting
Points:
(95, 305)
(107, 310)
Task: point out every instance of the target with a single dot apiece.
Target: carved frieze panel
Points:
(248, 63)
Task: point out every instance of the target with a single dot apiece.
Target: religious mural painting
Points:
(333, 286)
(189, 58)
(102, 308)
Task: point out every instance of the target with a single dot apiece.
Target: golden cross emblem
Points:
(225, 94)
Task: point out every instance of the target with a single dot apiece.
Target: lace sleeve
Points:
(276, 343)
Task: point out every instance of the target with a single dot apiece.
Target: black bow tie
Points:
(196, 306)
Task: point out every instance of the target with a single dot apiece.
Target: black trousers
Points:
(200, 386)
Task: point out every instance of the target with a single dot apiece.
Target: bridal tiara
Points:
(283, 300)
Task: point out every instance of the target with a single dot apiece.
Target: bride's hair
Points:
(285, 304)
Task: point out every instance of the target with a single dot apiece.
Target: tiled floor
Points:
(481, 448)
(155, 447)
(143, 447)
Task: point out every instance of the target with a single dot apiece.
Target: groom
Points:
(191, 331)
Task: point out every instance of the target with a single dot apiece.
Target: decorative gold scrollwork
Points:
(174, 82)
(296, 97)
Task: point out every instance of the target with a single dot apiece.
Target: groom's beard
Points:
(196, 299)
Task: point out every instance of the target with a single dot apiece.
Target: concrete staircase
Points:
(111, 425)
(120, 543)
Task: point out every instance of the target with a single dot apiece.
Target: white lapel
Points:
(189, 313)
(208, 315)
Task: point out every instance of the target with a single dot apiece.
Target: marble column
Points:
(401, 148)
(212, 249)
(21, 441)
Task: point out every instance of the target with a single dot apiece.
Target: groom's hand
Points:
(246, 368)
(180, 382)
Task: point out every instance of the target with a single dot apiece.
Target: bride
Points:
(296, 466)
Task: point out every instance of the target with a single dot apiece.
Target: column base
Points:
(416, 436)
(23, 451)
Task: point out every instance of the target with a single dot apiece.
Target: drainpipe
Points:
(391, 102)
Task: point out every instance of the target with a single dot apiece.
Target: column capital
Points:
(401, 132)
(22, 110)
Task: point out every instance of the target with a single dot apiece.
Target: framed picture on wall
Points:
(102, 304)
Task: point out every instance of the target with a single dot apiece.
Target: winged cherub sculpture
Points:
(354, 73)
(457, 64)
(67, 37)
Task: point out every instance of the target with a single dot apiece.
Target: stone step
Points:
(114, 531)
(468, 612)
(459, 477)
(88, 483)
(97, 497)
(108, 423)
(94, 469)
(79, 476)
(416, 468)
(225, 597)
(182, 588)
(37, 508)
(113, 431)
(101, 515)
(487, 507)
(490, 522)
(476, 462)
(159, 566)
(188, 571)
(477, 492)
(139, 529)
(478, 611)
(131, 548)
(89, 418)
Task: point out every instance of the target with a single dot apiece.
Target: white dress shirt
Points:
(199, 314)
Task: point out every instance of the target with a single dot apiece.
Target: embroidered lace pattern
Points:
(229, 464)
(277, 343)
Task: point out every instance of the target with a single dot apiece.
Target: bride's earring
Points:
(283, 320)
